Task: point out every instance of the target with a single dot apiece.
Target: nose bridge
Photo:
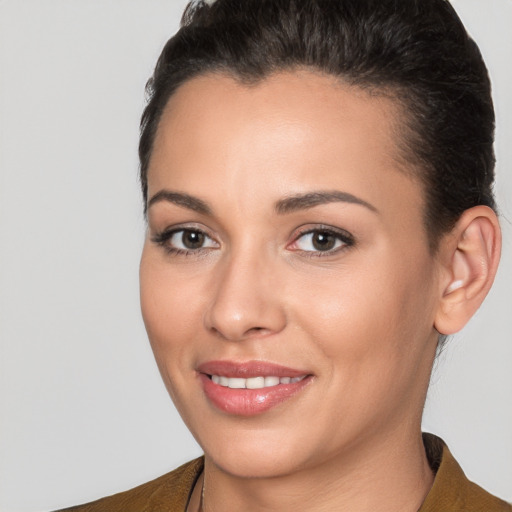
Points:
(245, 301)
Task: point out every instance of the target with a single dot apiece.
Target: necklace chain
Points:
(201, 502)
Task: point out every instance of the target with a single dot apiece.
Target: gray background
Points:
(82, 410)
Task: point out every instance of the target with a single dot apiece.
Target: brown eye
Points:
(192, 239)
(185, 241)
(323, 241)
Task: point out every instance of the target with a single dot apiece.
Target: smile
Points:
(254, 382)
(250, 388)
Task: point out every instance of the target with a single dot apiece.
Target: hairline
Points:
(408, 163)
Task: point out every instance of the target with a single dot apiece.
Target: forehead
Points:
(287, 134)
(308, 103)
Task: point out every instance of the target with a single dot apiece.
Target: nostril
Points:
(256, 331)
(234, 316)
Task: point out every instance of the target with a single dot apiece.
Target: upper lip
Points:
(248, 369)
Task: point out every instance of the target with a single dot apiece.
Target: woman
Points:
(317, 178)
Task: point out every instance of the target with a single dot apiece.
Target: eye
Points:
(184, 241)
(189, 240)
(322, 241)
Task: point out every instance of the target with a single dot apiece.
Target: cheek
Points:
(368, 319)
(172, 316)
(169, 309)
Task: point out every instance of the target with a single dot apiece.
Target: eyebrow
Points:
(283, 206)
(311, 199)
(181, 199)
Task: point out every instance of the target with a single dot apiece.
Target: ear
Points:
(470, 255)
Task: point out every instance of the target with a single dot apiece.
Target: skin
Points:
(360, 320)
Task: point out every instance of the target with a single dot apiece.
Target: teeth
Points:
(253, 382)
(271, 381)
(236, 383)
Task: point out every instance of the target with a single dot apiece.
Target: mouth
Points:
(259, 382)
(251, 388)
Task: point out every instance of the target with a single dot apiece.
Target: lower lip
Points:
(249, 402)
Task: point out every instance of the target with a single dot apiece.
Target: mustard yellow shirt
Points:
(451, 492)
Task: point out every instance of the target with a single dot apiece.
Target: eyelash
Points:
(162, 239)
(346, 239)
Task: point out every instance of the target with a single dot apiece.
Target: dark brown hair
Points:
(416, 50)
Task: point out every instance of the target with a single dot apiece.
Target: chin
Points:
(257, 453)
(250, 463)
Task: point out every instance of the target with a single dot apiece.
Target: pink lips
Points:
(249, 402)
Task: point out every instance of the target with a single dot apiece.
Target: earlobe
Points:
(472, 253)
(455, 285)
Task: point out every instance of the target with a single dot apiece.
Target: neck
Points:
(393, 476)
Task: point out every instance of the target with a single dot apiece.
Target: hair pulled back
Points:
(417, 51)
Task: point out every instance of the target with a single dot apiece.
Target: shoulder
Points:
(168, 493)
(452, 490)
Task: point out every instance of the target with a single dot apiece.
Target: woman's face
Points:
(285, 242)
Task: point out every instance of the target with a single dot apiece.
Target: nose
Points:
(246, 301)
